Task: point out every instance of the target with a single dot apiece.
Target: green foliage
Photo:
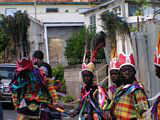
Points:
(68, 99)
(140, 1)
(14, 29)
(75, 46)
(58, 73)
(138, 12)
(133, 29)
(74, 50)
(113, 26)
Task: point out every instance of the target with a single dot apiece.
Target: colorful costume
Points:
(31, 90)
(156, 106)
(114, 65)
(93, 99)
(130, 101)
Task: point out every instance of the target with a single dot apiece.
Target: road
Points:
(8, 111)
(10, 114)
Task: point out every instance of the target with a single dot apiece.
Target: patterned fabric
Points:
(156, 109)
(89, 104)
(113, 90)
(52, 90)
(131, 105)
(39, 90)
(15, 100)
(41, 94)
(28, 97)
(159, 110)
(44, 116)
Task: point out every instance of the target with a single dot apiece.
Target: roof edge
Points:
(47, 3)
(98, 6)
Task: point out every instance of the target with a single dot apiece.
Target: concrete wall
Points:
(141, 59)
(35, 36)
(72, 75)
(144, 44)
(152, 29)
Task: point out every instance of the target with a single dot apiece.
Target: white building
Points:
(8, 7)
(53, 32)
(52, 23)
(127, 9)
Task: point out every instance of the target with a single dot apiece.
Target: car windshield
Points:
(7, 72)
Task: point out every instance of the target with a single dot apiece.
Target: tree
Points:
(15, 28)
(6, 46)
(74, 50)
(113, 26)
(139, 11)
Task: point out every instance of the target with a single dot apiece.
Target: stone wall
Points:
(72, 75)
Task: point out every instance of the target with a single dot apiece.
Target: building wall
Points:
(57, 37)
(152, 29)
(74, 82)
(98, 12)
(35, 36)
(147, 11)
(42, 8)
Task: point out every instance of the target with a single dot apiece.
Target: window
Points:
(10, 11)
(102, 1)
(132, 9)
(80, 10)
(51, 10)
(92, 25)
(7, 71)
(117, 10)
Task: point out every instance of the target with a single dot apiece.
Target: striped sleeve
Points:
(141, 102)
(15, 100)
(52, 90)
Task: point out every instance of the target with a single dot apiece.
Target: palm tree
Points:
(15, 28)
(113, 26)
(6, 44)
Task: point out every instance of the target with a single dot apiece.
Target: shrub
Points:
(74, 49)
(68, 99)
(58, 73)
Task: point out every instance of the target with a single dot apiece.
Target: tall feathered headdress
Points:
(112, 25)
(157, 52)
(24, 64)
(118, 35)
(114, 62)
(125, 51)
(97, 43)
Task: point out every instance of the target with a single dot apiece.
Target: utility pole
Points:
(35, 8)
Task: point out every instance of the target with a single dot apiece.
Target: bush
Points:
(58, 73)
(68, 99)
(74, 49)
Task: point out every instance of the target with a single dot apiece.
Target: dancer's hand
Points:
(55, 106)
(72, 114)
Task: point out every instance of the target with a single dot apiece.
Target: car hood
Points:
(6, 82)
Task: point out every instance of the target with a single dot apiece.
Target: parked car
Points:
(6, 74)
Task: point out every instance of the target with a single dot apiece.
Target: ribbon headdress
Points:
(125, 51)
(97, 43)
(157, 52)
(115, 29)
(114, 62)
(24, 64)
